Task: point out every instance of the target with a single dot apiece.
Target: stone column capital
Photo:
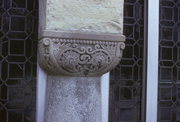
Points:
(78, 54)
(80, 37)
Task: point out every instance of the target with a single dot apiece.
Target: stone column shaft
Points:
(72, 99)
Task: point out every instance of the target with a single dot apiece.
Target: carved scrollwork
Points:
(77, 57)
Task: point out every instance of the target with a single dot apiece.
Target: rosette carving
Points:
(78, 57)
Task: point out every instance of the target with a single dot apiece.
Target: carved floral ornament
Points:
(79, 57)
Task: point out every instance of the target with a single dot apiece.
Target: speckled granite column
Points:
(79, 41)
(72, 99)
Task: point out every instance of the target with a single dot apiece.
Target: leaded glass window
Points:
(18, 38)
(169, 62)
(126, 78)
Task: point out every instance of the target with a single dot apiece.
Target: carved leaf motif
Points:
(79, 57)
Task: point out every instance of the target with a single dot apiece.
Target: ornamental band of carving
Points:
(79, 57)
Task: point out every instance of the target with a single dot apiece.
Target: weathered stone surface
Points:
(78, 57)
(99, 16)
(73, 99)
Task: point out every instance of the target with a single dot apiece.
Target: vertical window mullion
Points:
(152, 60)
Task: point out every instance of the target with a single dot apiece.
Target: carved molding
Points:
(79, 57)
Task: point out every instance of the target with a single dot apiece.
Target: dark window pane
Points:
(16, 47)
(166, 74)
(166, 53)
(165, 114)
(165, 93)
(19, 3)
(17, 23)
(167, 13)
(125, 115)
(14, 116)
(167, 33)
(128, 10)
